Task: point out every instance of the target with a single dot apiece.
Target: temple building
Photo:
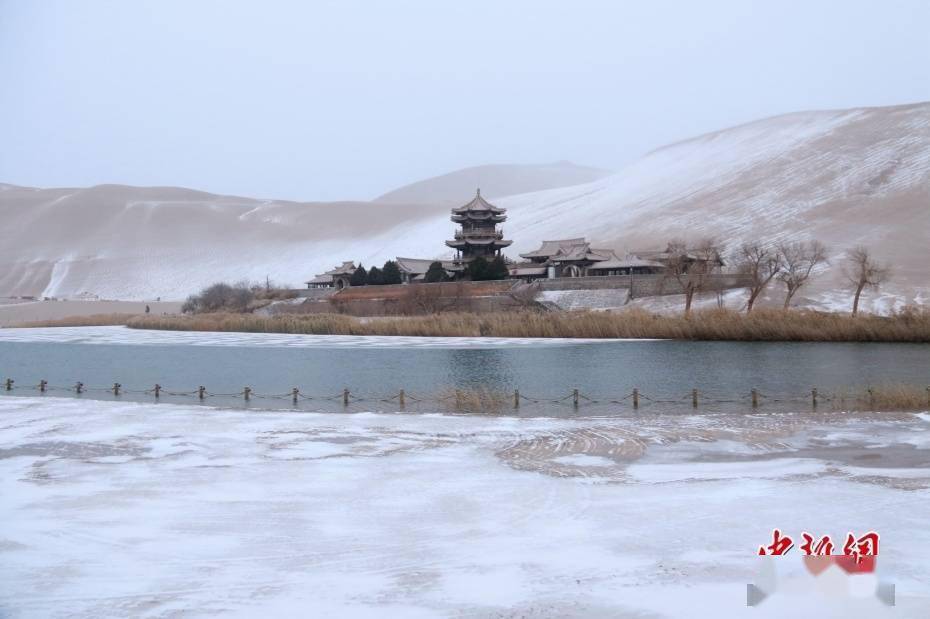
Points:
(413, 269)
(576, 258)
(337, 277)
(478, 234)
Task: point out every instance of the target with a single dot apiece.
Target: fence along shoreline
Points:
(896, 397)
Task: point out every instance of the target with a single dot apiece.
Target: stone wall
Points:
(422, 298)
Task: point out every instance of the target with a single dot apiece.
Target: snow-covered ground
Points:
(142, 337)
(117, 510)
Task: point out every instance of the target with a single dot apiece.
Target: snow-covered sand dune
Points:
(844, 177)
(114, 510)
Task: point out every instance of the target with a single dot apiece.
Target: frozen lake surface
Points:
(116, 509)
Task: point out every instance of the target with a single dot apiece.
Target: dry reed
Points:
(761, 325)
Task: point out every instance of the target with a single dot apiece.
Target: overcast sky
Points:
(347, 99)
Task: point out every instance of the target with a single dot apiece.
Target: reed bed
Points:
(891, 397)
(478, 400)
(761, 325)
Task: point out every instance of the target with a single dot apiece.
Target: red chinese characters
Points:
(823, 546)
(780, 544)
(855, 550)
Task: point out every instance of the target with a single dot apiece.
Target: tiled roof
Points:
(421, 265)
(551, 248)
(479, 204)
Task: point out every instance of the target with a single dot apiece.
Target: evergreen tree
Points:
(359, 277)
(435, 273)
(497, 269)
(391, 273)
(375, 277)
(477, 269)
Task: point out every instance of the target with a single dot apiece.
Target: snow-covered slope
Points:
(847, 177)
(495, 181)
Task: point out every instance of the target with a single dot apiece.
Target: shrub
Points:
(220, 297)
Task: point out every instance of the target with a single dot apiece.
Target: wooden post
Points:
(575, 398)
(201, 392)
(928, 396)
(401, 399)
(157, 390)
(755, 398)
(635, 398)
(79, 387)
(345, 397)
(246, 393)
(116, 387)
(516, 398)
(294, 393)
(694, 394)
(43, 385)
(814, 397)
(9, 384)
(871, 398)
(458, 398)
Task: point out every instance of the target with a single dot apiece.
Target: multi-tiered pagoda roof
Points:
(478, 235)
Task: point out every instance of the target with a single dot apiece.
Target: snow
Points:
(115, 509)
(143, 337)
(843, 177)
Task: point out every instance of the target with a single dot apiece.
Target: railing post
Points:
(201, 392)
(814, 397)
(575, 398)
(694, 398)
(401, 399)
(928, 396)
(755, 398)
(516, 398)
(43, 385)
(458, 398)
(345, 397)
(157, 391)
(294, 393)
(116, 387)
(78, 387)
(871, 398)
(635, 398)
(9, 384)
(246, 393)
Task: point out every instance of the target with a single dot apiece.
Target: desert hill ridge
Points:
(844, 177)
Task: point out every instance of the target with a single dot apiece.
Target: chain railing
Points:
(463, 399)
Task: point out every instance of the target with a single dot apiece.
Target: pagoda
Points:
(478, 235)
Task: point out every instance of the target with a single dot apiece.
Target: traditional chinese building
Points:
(576, 258)
(334, 278)
(413, 269)
(478, 234)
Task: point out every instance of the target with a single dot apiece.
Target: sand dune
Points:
(844, 177)
(495, 181)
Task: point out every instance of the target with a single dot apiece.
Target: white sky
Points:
(347, 99)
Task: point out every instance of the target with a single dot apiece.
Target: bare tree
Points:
(760, 265)
(798, 260)
(693, 268)
(863, 271)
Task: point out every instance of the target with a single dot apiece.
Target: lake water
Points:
(375, 368)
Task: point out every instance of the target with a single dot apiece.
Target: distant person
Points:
(147, 309)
